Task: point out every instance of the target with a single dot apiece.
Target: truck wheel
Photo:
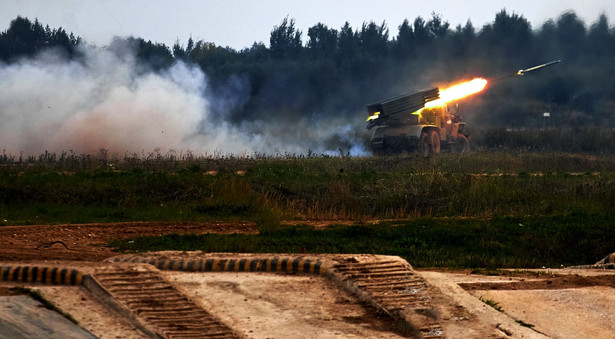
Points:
(425, 144)
(435, 142)
(429, 143)
(377, 150)
(461, 144)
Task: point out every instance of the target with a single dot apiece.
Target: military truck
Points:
(404, 124)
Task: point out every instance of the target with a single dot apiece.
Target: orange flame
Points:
(457, 92)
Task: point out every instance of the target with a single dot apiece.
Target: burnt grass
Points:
(483, 209)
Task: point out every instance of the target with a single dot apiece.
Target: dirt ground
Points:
(556, 303)
(87, 242)
(561, 313)
(560, 303)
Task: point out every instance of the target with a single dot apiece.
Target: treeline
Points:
(25, 38)
(334, 73)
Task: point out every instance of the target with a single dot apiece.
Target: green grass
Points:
(529, 242)
(524, 324)
(106, 196)
(492, 303)
(478, 185)
(484, 209)
(496, 305)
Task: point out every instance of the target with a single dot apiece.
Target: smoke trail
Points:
(107, 101)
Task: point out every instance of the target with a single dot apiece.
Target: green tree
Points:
(463, 39)
(213, 59)
(437, 28)
(547, 45)
(157, 56)
(511, 33)
(181, 53)
(405, 43)
(24, 39)
(600, 41)
(285, 40)
(258, 53)
(373, 39)
(322, 41)
(571, 35)
(348, 45)
(422, 34)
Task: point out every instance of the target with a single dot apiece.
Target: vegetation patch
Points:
(82, 189)
(424, 242)
(492, 303)
(493, 209)
(524, 324)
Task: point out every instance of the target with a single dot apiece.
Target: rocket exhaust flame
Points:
(458, 91)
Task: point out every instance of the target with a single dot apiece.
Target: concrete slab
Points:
(577, 313)
(90, 312)
(264, 305)
(23, 317)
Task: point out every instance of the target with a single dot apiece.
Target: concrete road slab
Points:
(23, 317)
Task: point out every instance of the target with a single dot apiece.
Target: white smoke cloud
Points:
(104, 101)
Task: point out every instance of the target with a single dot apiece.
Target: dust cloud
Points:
(105, 100)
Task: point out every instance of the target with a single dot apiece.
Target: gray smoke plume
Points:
(106, 101)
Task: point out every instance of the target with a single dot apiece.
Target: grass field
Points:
(491, 209)
(517, 242)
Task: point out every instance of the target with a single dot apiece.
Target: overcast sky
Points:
(238, 23)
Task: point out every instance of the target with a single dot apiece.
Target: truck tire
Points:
(377, 150)
(425, 144)
(435, 142)
(461, 144)
(429, 143)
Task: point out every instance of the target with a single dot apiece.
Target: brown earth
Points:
(555, 282)
(4, 290)
(87, 242)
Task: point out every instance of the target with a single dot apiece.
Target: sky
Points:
(240, 23)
